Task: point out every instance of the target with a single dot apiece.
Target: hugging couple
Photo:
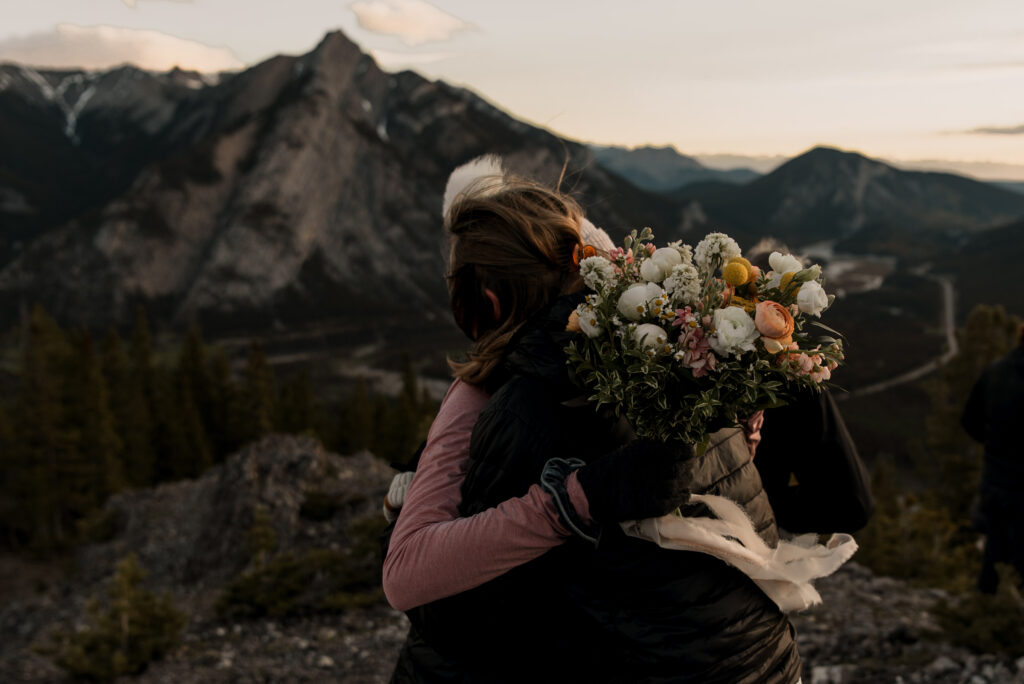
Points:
(508, 554)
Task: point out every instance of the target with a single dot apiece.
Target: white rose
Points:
(812, 298)
(666, 257)
(784, 263)
(588, 320)
(651, 271)
(634, 301)
(734, 332)
(649, 335)
(660, 264)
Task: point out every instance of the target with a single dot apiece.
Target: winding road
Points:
(952, 347)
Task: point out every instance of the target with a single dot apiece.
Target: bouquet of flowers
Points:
(683, 341)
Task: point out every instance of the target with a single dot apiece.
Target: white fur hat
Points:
(483, 177)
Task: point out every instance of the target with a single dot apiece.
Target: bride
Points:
(511, 564)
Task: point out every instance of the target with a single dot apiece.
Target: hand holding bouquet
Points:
(684, 341)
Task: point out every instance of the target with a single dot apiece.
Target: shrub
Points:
(987, 623)
(135, 628)
(316, 580)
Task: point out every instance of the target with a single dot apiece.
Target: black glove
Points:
(643, 479)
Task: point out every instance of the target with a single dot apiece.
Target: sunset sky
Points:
(905, 81)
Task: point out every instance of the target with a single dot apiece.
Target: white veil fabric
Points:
(784, 573)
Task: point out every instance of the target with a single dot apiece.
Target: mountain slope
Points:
(826, 194)
(661, 169)
(302, 189)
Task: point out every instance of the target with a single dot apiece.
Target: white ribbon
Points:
(784, 573)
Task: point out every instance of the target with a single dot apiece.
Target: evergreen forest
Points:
(81, 419)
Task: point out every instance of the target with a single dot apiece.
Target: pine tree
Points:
(130, 406)
(45, 444)
(356, 424)
(223, 396)
(134, 628)
(95, 472)
(194, 372)
(190, 446)
(146, 467)
(255, 409)
(189, 442)
(402, 423)
(296, 406)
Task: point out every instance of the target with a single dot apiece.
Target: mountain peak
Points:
(334, 41)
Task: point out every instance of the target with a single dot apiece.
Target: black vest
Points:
(626, 611)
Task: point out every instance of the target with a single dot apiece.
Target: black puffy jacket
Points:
(625, 611)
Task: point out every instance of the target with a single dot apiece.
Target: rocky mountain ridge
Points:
(302, 189)
(829, 194)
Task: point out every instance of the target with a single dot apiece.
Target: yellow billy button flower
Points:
(738, 272)
(747, 304)
(787, 278)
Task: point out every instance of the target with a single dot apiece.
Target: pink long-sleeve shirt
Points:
(433, 552)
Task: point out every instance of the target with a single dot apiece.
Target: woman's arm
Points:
(433, 553)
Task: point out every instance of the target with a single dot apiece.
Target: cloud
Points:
(999, 130)
(414, 22)
(387, 59)
(101, 47)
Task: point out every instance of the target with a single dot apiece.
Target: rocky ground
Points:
(191, 538)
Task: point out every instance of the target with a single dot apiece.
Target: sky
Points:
(918, 82)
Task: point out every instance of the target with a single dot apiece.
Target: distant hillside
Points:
(987, 269)
(827, 194)
(1015, 186)
(662, 169)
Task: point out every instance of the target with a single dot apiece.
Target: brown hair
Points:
(518, 243)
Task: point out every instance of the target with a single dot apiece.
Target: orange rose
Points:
(574, 323)
(773, 320)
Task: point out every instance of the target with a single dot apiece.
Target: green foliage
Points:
(313, 581)
(256, 415)
(987, 623)
(129, 406)
(134, 628)
(81, 425)
(399, 426)
(648, 382)
(99, 446)
(355, 425)
(919, 541)
(296, 406)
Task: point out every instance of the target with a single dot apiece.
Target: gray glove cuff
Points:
(552, 481)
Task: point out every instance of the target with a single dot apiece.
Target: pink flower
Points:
(694, 349)
(821, 375)
(650, 248)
